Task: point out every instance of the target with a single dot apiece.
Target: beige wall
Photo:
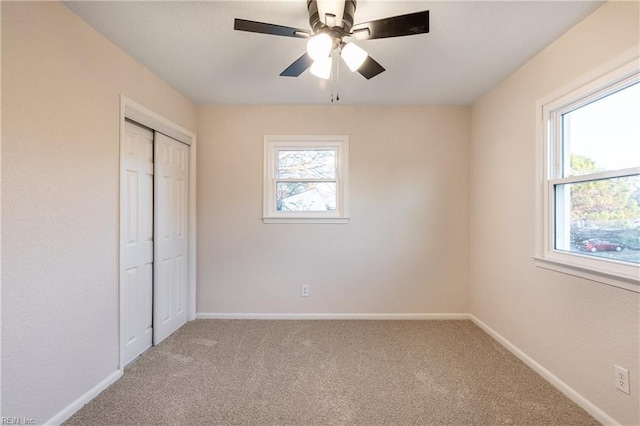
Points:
(577, 329)
(61, 83)
(405, 249)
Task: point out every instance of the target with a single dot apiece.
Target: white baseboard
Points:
(588, 406)
(327, 316)
(80, 402)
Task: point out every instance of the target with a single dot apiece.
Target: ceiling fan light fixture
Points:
(319, 46)
(321, 68)
(353, 55)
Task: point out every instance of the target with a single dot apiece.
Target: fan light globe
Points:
(319, 46)
(322, 67)
(353, 55)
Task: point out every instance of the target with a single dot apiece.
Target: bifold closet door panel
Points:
(171, 235)
(136, 272)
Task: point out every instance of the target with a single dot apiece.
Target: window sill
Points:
(310, 220)
(605, 277)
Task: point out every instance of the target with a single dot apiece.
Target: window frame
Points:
(272, 145)
(611, 77)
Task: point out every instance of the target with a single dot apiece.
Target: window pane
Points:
(600, 218)
(307, 164)
(603, 135)
(306, 196)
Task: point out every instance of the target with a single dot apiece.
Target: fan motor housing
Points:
(347, 18)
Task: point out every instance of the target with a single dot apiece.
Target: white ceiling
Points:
(472, 46)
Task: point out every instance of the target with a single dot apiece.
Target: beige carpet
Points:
(223, 372)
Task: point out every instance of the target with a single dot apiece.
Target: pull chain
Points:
(333, 80)
(337, 80)
(332, 84)
(335, 76)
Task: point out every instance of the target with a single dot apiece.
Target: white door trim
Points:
(140, 114)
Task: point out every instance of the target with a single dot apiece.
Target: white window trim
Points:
(272, 143)
(618, 274)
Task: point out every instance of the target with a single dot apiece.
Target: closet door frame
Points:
(132, 110)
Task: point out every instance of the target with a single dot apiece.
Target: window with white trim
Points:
(591, 179)
(306, 179)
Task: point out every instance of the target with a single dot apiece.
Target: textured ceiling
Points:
(471, 47)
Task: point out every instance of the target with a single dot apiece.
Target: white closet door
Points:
(171, 236)
(137, 238)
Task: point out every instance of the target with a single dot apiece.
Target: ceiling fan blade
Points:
(396, 26)
(298, 67)
(272, 29)
(370, 68)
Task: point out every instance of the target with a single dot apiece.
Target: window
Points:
(591, 180)
(305, 179)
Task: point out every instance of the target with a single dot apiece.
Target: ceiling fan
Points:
(331, 23)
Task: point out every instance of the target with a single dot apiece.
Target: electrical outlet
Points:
(622, 379)
(304, 290)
